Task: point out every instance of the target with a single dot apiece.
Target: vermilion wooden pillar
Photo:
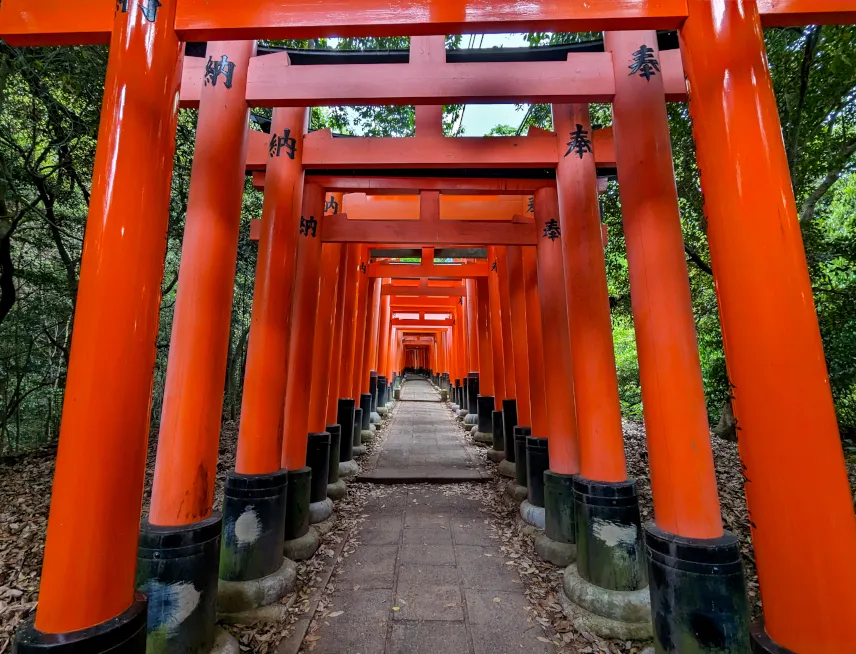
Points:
(496, 343)
(199, 344)
(323, 347)
(384, 333)
(782, 399)
(535, 343)
(360, 324)
(682, 478)
(307, 282)
(370, 360)
(559, 384)
(472, 325)
(259, 446)
(501, 254)
(517, 306)
(333, 393)
(482, 322)
(90, 554)
(346, 375)
(593, 358)
(686, 506)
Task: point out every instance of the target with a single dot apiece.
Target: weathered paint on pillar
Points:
(482, 322)
(517, 306)
(682, 477)
(535, 343)
(91, 549)
(322, 349)
(592, 354)
(307, 282)
(183, 491)
(259, 444)
(561, 433)
(496, 345)
(501, 253)
(773, 349)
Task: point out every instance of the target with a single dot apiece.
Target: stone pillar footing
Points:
(238, 596)
(763, 644)
(554, 551)
(124, 633)
(482, 438)
(303, 547)
(496, 456)
(607, 613)
(174, 557)
(297, 503)
(506, 468)
(532, 515)
(320, 511)
(516, 492)
(707, 573)
(253, 525)
(337, 490)
(348, 469)
(471, 419)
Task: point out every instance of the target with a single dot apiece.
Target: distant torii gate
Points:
(773, 348)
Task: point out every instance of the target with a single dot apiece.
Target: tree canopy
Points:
(51, 99)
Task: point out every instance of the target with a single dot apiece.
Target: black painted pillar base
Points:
(521, 433)
(169, 560)
(297, 503)
(125, 634)
(763, 644)
(373, 378)
(509, 422)
(616, 563)
(465, 394)
(382, 397)
(485, 418)
(253, 525)
(558, 542)
(366, 409)
(698, 593)
(537, 463)
(335, 432)
(318, 460)
(472, 399)
(345, 418)
(357, 433)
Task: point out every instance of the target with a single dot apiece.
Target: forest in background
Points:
(51, 99)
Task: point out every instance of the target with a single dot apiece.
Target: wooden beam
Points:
(429, 270)
(425, 303)
(416, 291)
(585, 77)
(417, 323)
(447, 186)
(63, 22)
(322, 151)
(421, 232)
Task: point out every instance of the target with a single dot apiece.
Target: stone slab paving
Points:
(422, 446)
(427, 576)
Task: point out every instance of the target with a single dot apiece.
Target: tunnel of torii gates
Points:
(524, 327)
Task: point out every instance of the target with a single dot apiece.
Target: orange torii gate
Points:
(87, 593)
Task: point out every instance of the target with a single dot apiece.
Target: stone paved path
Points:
(427, 576)
(422, 445)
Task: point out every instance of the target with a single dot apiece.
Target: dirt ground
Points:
(25, 488)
